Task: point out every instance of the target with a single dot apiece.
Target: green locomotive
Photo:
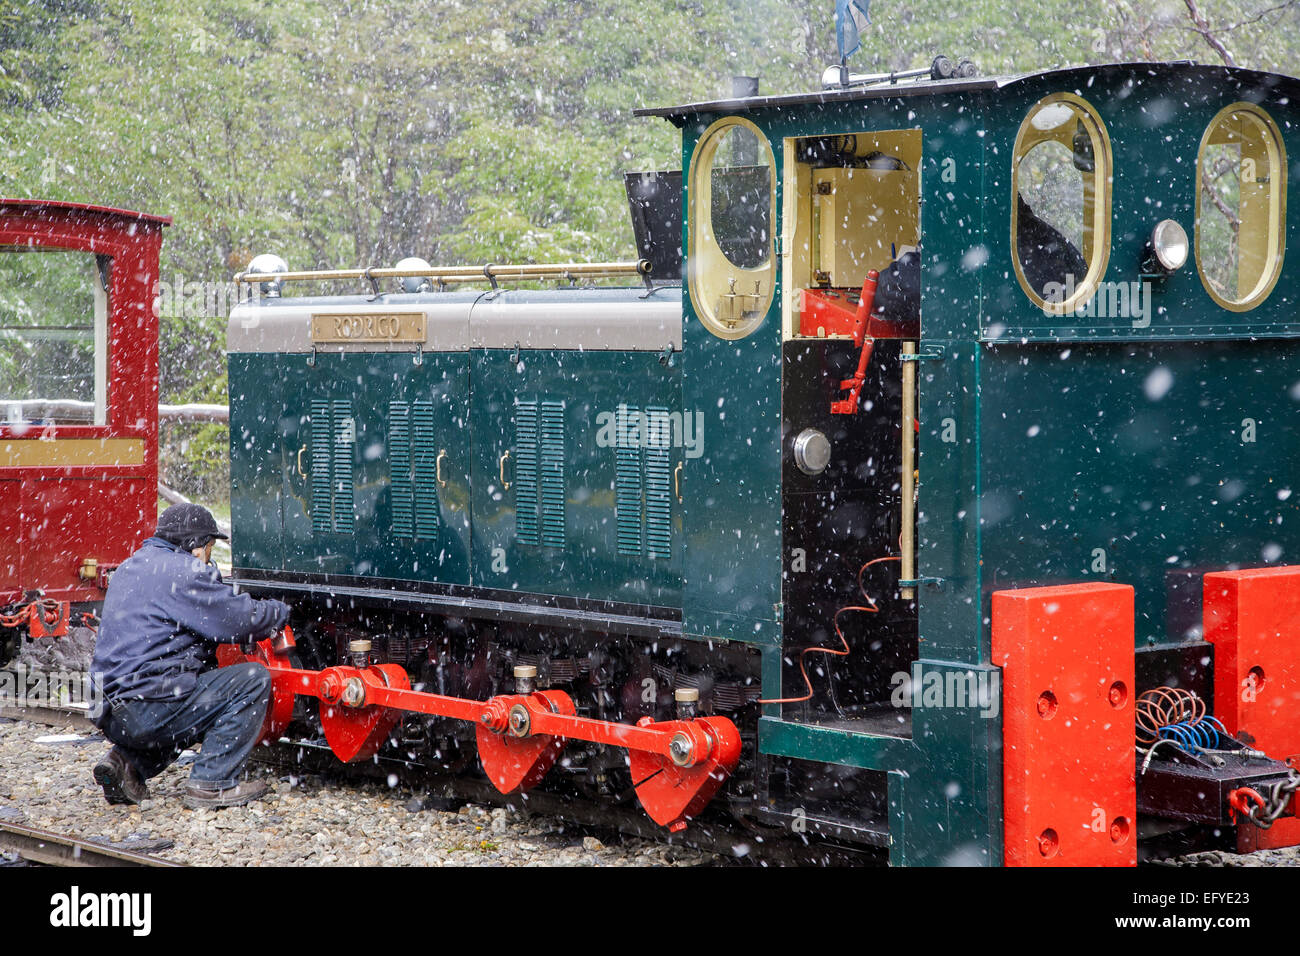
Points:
(1003, 479)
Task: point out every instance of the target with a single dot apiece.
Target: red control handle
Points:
(849, 405)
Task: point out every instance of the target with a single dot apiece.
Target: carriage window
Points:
(730, 261)
(1240, 206)
(53, 336)
(1060, 214)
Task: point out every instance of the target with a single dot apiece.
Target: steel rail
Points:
(58, 849)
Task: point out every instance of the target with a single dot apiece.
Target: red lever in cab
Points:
(849, 405)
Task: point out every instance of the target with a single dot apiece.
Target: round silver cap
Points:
(812, 451)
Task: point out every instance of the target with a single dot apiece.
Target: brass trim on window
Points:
(1276, 239)
(1096, 225)
(709, 273)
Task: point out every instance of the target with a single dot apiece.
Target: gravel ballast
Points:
(305, 821)
(312, 820)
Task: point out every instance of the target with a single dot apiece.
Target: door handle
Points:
(300, 471)
(501, 470)
(677, 480)
(437, 467)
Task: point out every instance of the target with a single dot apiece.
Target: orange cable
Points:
(872, 609)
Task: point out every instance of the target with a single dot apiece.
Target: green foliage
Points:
(353, 132)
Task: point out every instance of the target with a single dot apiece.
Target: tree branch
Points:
(1202, 26)
(1260, 16)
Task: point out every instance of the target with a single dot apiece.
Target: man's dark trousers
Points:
(225, 711)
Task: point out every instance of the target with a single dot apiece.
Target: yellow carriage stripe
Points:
(70, 452)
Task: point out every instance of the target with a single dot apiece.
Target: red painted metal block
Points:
(1069, 796)
(1252, 617)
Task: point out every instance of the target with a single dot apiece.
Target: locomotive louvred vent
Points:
(399, 469)
(552, 466)
(628, 497)
(424, 451)
(333, 435)
(526, 472)
(413, 469)
(643, 509)
(540, 473)
(343, 480)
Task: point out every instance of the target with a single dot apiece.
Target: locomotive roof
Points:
(1188, 69)
(87, 209)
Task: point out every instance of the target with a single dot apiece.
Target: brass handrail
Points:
(461, 274)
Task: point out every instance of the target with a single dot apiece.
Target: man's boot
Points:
(121, 782)
(200, 798)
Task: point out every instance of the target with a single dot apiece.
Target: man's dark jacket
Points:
(164, 613)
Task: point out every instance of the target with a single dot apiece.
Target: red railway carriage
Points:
(78, 395)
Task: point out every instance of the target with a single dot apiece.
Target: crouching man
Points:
(165, 611)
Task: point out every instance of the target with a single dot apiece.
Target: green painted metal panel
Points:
(948, 503)
(1150, 462)
(555, 529)
(731, 490)
(953, 798)
(787, 738)
(415, 528)
(1155, 119)
(257, 463)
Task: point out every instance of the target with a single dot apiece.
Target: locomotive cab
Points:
(976, 395)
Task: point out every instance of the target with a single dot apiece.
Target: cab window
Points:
(731, 266)
(53, 336)
(1060, 213)
(1240, 207)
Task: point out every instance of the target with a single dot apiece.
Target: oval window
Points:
(731, 262)
(1060, 212)
(1240, 207)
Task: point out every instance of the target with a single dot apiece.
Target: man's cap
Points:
(189, 526)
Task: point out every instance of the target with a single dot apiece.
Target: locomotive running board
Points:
(460, 605)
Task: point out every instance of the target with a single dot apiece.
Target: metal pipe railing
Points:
(452, 275)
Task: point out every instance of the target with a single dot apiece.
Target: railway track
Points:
(60, 849)
(758, 848)
(73, 717)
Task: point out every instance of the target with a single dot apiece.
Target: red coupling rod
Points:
(677, 765)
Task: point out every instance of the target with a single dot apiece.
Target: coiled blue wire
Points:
(1191, 736)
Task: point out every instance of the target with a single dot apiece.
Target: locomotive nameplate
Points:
(343, 327)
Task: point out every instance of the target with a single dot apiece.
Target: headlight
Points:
(416, 283)
(267, 263)
(1169, 245)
